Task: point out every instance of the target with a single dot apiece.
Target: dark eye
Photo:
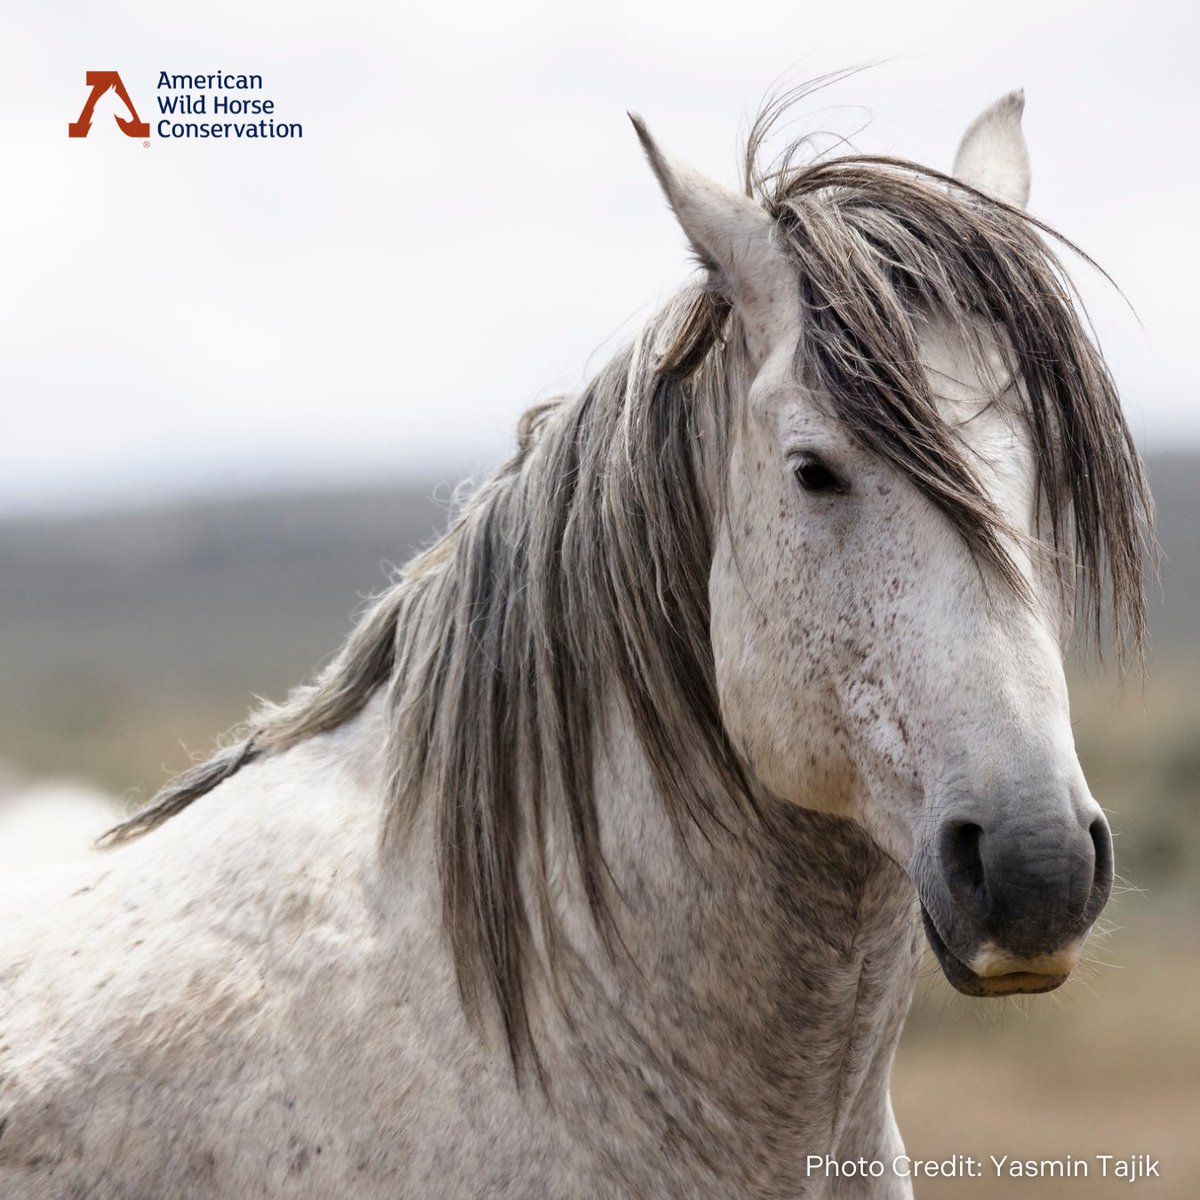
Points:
(814, 476)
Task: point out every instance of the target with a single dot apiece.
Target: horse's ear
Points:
(992, 155)
(732, 237)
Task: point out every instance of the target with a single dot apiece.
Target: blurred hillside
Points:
(1175, 606)
(127, 636)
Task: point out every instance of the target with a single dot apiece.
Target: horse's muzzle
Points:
(1007, 908)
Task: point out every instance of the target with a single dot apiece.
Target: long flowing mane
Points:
(579, 573)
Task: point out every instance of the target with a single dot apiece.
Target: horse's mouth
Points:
(967, 981)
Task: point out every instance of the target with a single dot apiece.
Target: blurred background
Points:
(241, 379)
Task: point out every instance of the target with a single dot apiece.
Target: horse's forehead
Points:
(972, 380)
(965, 361)
(966, 365)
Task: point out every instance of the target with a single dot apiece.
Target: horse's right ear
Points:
(731, 235)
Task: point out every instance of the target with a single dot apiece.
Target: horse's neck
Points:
(771, 974)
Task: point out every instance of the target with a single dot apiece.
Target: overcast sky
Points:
(467, 225)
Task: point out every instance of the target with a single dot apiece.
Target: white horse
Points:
(597, 862)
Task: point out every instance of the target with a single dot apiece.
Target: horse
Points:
(600, 860)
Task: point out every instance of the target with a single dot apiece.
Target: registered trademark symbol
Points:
(146, 144)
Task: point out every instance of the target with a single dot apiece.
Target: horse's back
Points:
(152, 996)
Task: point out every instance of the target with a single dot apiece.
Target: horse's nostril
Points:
(1102, 871)
(1102, 840)
(962, 863)
(1028, 892)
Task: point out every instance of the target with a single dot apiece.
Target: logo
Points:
(100, 82)
(231, 104)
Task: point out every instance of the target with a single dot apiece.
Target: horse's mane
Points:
(580, 571)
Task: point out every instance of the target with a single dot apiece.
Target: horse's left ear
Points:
(992, 155)
(732, 236)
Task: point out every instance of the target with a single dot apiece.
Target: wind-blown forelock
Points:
(879, 244)
(580, 572)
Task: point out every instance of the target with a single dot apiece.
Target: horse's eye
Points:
(814, 476)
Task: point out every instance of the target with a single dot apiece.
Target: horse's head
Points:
(927, 457)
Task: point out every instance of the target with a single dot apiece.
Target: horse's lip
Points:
(962, 978)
